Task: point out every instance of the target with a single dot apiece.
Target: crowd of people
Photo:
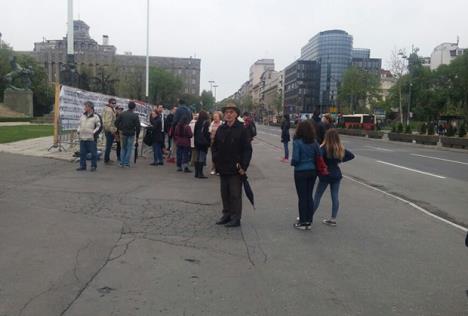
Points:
(179, 137)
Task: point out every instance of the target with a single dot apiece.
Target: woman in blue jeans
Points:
(333, 153)
(305, 151)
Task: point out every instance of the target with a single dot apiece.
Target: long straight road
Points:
(142, 241)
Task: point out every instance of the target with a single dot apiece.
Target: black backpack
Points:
(253, 129)
(96, 135)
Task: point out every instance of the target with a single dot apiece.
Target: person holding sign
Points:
(90, 124)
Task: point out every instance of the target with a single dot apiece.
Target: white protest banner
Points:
(71, 106)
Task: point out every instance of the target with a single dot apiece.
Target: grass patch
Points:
(10, 134)
(15, 119)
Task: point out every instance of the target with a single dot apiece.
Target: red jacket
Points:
(182, 135)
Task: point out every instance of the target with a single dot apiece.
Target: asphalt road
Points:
(142, 241)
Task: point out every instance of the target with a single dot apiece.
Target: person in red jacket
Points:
(182, 136)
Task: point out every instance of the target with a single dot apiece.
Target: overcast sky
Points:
(230, 35)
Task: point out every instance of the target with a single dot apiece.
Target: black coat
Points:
(128, 123)
(231, 146)
(158, 134)
(202, 135)
(285, 126)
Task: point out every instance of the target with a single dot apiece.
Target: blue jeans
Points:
(109, 142)
(183, 158)
(126, 150)
(157, 153)
(304, 181)
(286, 150)
(334, 190)
(88, 146)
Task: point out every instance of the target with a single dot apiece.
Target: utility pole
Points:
(211, 82)
(215, 86)
(147, 52)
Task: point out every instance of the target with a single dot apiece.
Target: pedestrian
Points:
(128, 123)
(118, 148)
(108, 118)
(285, 137)
(232, 152)
(182, 136)
(202, 142)
(249, 124)
(217, 121)
(305, 152)
(89, 126)
(325, 124)
(170, 136)
(193, 151)
(333, 153)
(183, 112)
(157, 120)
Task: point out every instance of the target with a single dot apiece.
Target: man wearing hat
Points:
(90, 124)
(232, 153)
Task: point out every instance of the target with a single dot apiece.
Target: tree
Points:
(5, 55)
(104, 81)
(398, 69)
(278, 103)
(207, 100)
(164, 87)
(358, 88)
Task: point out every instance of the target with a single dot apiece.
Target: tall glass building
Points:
(333, 49)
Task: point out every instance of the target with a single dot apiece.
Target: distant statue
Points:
(19, 78)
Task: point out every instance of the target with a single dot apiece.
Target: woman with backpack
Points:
(305, 152)
(333, 153)
(202, 142)
(285, 137)
(182, 136)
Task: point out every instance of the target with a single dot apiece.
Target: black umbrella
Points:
(136, 152)
(248, 189)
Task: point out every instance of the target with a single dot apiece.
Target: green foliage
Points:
(15, 133)
(462, 131)
(207, 100)
(5, 55)
(423, 129)
(104, 81)
(400, 128)
(408, 129)
(431, 129)
(451, 131)
(164, 87)
(358, 88)
(394, 128)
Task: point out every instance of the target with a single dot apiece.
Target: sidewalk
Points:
(37, 147)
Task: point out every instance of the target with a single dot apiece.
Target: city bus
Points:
(363, 121)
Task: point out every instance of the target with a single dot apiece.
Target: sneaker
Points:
(179, 169)
(302, 226)
(160, 163)
(329, 222)
(80, 169)
(108, 162)
(93, 169)
(187, 170)
(213, 172)
(153, 164)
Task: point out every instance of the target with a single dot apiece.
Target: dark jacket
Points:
(182, 135)
(202, 135)
(158, 134)
(333, 166)
(321, 128)
(168, 122)
(231, 146)
(285, 126)
(128, 123)
(251, 128)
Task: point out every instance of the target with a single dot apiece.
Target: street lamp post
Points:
(215, 86)
(147, 52)
(211, 82)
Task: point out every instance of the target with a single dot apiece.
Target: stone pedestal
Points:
(20, 101)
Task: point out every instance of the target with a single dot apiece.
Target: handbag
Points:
(148, 139)
(322, 168)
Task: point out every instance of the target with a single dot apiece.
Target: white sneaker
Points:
(212, 172)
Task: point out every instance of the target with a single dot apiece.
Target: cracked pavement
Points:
(142, 241)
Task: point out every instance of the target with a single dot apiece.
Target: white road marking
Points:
(448, 160)
(411, 204)
(379, 148)
(414, 170)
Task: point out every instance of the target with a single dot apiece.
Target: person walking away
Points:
(128, 123)
(108, 119)
(202, 142)
(305, 151)
(156, 120)
(325, 124)
(170, 137)
(193, 151)
(285, 137)
(333, 153)
(89, 126)
(118, 148)
(182, 136)
(249, 124)
(232, 152)
(217, 121)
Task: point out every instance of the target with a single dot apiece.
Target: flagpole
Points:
(147, 51)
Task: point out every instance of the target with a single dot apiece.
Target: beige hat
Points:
(231, 106)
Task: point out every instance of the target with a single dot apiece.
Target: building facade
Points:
(302, 86)
(258, 68)
(445, 53)
(91, 55)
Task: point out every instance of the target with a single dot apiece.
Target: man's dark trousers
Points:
(231, 194)
(109, 142)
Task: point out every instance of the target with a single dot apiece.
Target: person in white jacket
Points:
(90, 124)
